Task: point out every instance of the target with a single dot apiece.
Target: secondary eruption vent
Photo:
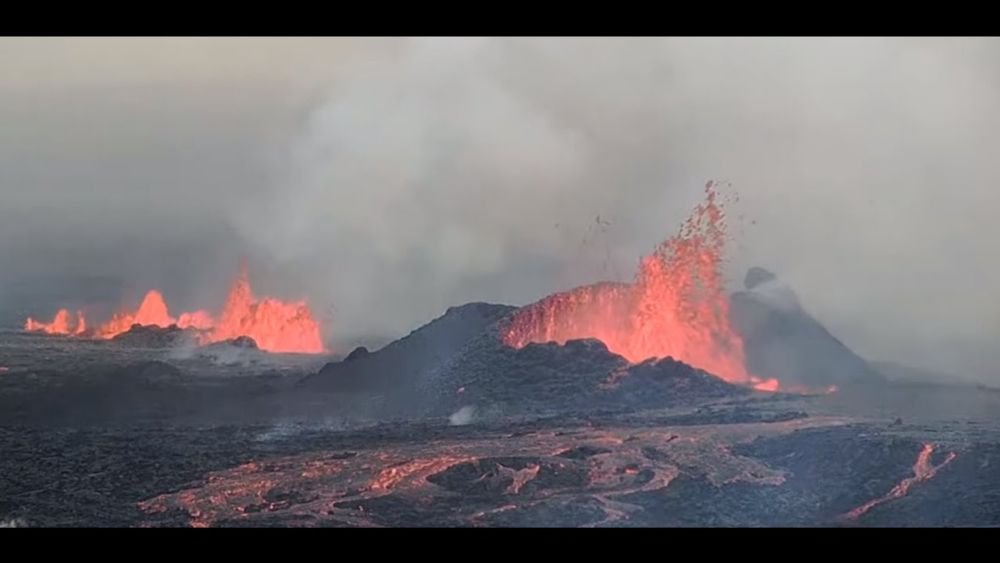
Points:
(61, 324)
(275, 325)
(676, 306)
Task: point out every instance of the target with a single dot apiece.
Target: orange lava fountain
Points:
(276, 326)
(676, 306)
(60, 324)
(152, 312)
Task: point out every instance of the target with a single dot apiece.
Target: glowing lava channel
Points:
(923, 470)
(676, 306)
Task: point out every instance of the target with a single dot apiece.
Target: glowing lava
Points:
(60, 324)
(276, 326)
(923, 470)
(676, 306)
(152, 312)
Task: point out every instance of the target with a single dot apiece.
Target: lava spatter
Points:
(276, 326)
(61, 324)
(675, 306)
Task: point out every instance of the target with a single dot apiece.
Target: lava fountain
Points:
(60, 324)
(275, 325)
(675, 306)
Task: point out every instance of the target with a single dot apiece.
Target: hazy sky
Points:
(386, 180)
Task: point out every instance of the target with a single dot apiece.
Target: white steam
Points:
(462, 416)
(449, 170)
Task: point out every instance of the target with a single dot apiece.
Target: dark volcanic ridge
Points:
(151, 336)
(143, 336)
(781, 339)
(459, 360)
(454, 367)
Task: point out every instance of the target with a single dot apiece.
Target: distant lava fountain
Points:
(676, 306)
(61, 324)
(276, 326)
(152, 312)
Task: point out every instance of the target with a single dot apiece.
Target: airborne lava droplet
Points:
(676, 306)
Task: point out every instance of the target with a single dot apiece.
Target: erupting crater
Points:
(676, 306)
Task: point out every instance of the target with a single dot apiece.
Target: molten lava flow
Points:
(676, 306)
(420, 478)
(276, 326)
(923, 470)
(60, 324)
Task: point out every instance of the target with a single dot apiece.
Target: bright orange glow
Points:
(152, 312)
(81, 324)
(198, 320)
(676, 306)
(766, 385)
(60, 324)
(276, 326)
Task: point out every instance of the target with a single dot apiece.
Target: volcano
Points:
(783, 340)
(676, 306)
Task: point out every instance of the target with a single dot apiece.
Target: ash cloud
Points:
(389, 179)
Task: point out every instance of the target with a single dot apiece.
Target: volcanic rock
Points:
(406, 360)
(459, 361)
(151, 336)
(241, 350)
(757, 276)
(152, 371)
(357, 353)
(781, 339)
(580, 376)
(242, 342)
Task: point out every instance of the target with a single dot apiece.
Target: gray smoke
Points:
(389, 179)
